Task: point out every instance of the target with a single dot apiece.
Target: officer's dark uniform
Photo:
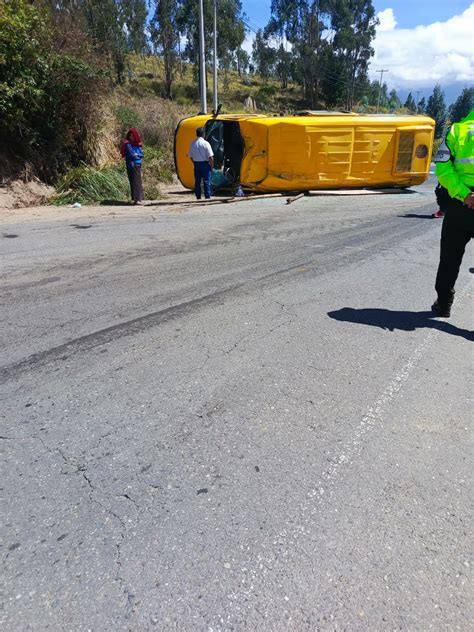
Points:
(455, 172)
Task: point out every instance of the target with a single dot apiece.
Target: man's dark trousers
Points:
(457, 230)
(202, 171)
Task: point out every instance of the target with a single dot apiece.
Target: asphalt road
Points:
(235, 418)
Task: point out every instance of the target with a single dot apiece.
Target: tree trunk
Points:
(168, 65)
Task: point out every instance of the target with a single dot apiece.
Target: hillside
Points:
(138, 103)
(99, 172)
(75, 75)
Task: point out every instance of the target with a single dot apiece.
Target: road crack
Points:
(81, 470)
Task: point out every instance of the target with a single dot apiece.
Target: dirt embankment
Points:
(18, 193)
(24, 174)
(19, 182)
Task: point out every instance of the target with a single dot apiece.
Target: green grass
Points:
(233, 89)
(87, 185)
(126, 118)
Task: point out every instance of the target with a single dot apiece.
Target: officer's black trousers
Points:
(457, 230)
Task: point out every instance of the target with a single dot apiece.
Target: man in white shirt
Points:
(200, 152)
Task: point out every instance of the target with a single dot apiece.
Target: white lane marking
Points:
(296, 525)
(374, 416)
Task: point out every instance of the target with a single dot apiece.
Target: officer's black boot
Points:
(442, 305)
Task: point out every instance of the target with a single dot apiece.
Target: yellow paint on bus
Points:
(311, 151)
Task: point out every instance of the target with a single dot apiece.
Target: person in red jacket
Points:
(132, 151)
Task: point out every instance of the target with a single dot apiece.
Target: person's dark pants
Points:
(442, 197)
(457, 230)
(135, 178)
(202, 171)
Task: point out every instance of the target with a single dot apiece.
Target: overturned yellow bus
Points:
(312, 150)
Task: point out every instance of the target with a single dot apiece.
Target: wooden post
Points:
(290, 200)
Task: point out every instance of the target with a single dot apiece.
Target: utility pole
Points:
(202, 61)
(418, 92)
(380, 86)
(214, 60)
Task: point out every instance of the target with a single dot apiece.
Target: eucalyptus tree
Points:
(242, 60)
(165, 37)
(410, 103)
(115, 27)
(134, 16)
(462, 106)
(306, 26)
(284, 66)
(230, 31)
(436, 108)
(330, 42)
(421, 107)
(353, 23)
(104, 20)
(393, 100)
(264, 56)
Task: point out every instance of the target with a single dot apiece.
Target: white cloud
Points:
(387, 21)
(441, 52)
(248, 42)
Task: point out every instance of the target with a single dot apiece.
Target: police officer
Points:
(455, 172)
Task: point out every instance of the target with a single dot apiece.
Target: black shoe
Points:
(444, 311)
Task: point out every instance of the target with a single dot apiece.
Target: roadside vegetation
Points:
(74, 76)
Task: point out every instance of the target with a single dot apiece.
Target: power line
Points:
(253, 28)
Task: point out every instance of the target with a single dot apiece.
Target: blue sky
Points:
(409, 13)
(412, 13)
(420, 42)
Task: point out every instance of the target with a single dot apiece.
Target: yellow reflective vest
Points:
(455, 159)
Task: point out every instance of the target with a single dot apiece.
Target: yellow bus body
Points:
(316, 151)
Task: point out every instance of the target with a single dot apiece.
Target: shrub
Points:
(85, 184)
(158, 119)
(48, 97)
(182, 101)
(24, 42)
(267, 90)
(156, 168)
(127, 118)
(266, 96)
(158, 87)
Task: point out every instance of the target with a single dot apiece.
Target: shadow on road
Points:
(392, 320)
(415, 216)
(115, 203)
(131, 204)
